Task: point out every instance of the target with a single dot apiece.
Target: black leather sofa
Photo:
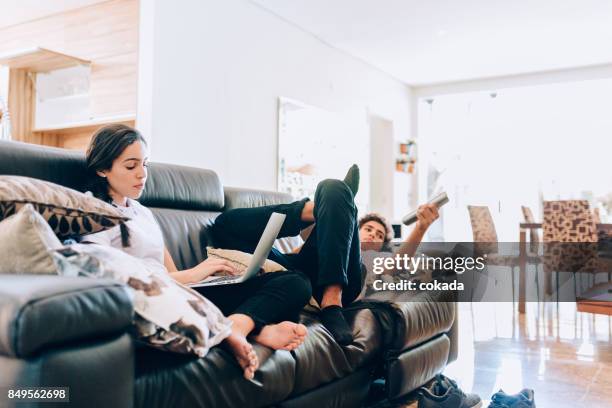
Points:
(58, 331)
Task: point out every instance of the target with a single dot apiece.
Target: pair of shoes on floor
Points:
(444, 393)
(524, 399)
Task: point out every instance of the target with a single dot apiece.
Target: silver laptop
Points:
(259, 256)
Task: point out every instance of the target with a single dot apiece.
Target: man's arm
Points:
(426, 215)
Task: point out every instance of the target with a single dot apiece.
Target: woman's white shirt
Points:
(146, 239)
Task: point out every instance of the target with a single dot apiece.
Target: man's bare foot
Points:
(244, 353)
(282, 336)
(308, 212)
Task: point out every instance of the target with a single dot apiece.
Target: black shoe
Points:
(444, 393)
(523, 399)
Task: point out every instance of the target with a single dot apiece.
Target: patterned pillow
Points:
(67, 211)
(25, 241)
(169, 316)
(240, 260)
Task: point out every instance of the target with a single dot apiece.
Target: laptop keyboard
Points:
(224, 278)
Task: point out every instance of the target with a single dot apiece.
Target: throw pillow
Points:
(25, 241)
(240, 260)
(170, 316)
(67, 211)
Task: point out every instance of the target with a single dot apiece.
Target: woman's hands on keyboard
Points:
(211, 266)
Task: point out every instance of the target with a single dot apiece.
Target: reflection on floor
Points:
(564, 355)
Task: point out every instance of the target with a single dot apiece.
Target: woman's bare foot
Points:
(282, 336)
(244, 353)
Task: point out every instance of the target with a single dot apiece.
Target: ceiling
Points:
(19, 11)
(428, 42)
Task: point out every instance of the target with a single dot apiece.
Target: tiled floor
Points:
(564, 355)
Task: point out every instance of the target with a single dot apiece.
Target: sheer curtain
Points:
(515, 147)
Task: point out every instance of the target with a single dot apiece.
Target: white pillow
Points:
(170, 316)
(25, 241)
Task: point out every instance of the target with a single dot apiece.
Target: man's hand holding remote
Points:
(426, 215)
(438, 201)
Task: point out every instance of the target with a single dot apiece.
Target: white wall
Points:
(382, 155)
(218, 69)
(146, 44)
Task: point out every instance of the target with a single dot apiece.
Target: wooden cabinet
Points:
(102, 37)
(23, 93)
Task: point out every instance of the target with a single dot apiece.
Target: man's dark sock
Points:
(352, 179)
(333, 320)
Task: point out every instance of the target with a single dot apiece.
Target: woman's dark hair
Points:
(106, 145)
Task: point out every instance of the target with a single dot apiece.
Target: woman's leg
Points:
(258, 305)
(243, 351)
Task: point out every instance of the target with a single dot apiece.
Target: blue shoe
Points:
(524, 399)
(444, 393)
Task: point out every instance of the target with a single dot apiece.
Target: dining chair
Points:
(534, 236)
(534, 251)
(485, 240)
(570, 240)
(596, 216)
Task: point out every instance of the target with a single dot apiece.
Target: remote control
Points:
(438, 200)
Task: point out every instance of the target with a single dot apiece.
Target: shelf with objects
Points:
(405, 159)
(49, 97)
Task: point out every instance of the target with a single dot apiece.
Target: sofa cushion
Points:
(168, 185)
(321, 360)
(25, 241)
(167, 380)
(60, 166)
(186, 234)
(244, 198)
(187, 188)
(41, 310)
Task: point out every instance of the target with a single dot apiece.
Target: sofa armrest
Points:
(416, 319)
(39, 311)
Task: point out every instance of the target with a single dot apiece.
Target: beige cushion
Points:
(169, 316)
(240, 260)
(25, 241)
(67, 211)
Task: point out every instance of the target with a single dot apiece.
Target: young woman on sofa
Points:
(265, 307)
